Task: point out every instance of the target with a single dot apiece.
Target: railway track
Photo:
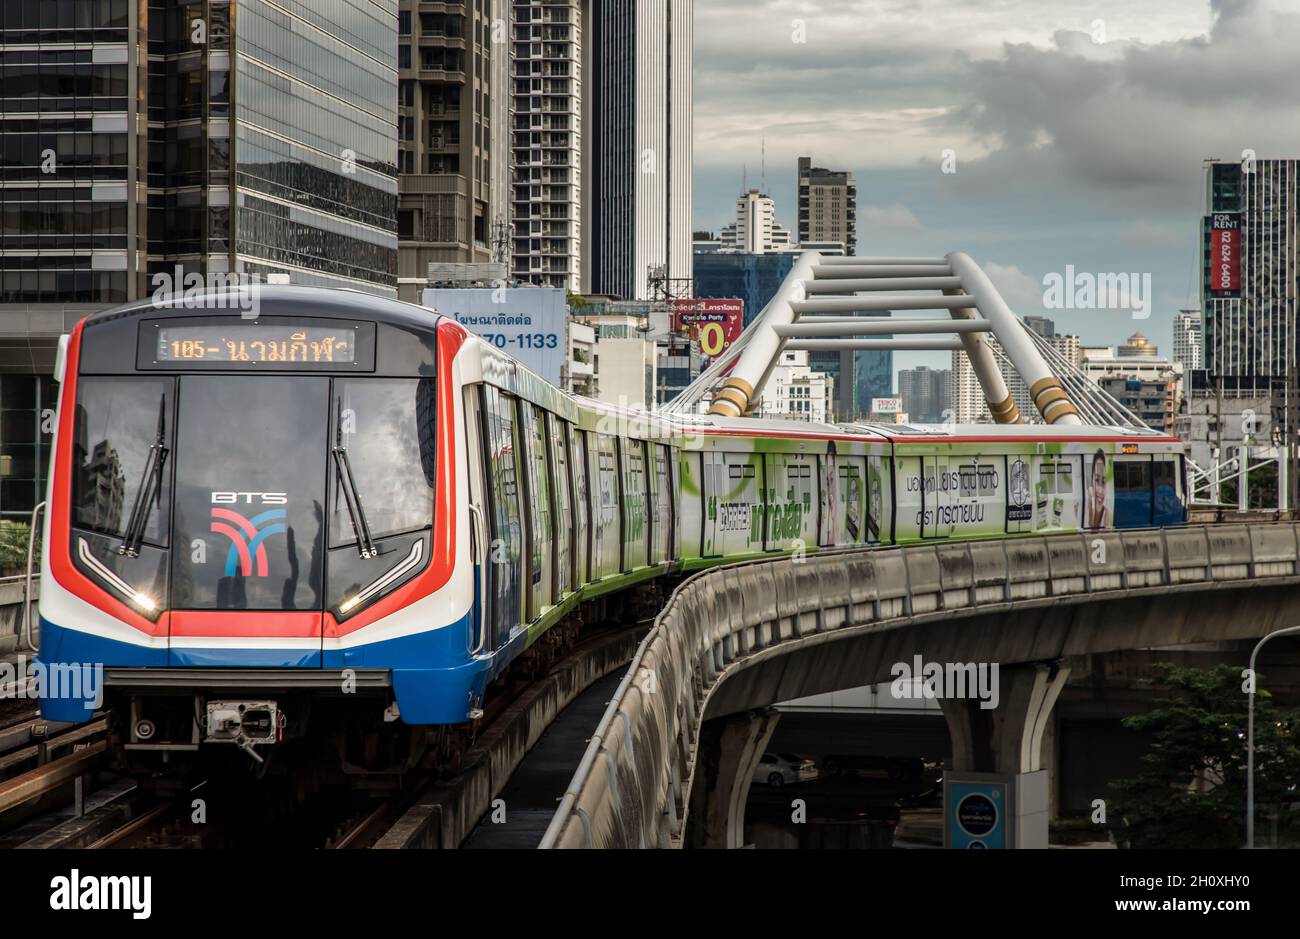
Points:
(237, 811)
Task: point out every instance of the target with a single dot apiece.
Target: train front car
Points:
(252, 528)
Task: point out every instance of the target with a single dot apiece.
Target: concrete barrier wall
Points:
(11, 613)
(633, 781)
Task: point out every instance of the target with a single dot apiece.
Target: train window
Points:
(1132, 476)
(968, 480)
(262, 520)
(1064, 478)
(538, 492)
(734, 471)
(123, 425)
(386, 429)
(507, 525)
(1163, 474)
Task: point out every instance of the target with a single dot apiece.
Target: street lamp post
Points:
(1250, 736)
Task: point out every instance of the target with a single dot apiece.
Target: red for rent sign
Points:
(1225, 253)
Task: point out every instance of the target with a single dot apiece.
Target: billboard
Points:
(529, 323)
(886, 405)
(1225, 254)
(716, 323)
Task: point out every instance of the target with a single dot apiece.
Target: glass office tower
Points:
(137, 136)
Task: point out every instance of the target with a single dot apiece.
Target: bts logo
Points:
(247, 554)
(250, 498)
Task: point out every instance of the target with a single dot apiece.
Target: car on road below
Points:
(780, 769)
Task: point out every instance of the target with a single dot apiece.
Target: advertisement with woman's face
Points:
(830, 497)
(1096, 515)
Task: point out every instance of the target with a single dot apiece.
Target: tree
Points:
(1191, 789)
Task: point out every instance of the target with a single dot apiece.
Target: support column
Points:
(1005, 744)
(726, 758)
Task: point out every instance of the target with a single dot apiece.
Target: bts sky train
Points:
(337, 517)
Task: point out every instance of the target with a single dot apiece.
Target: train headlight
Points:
(145, 602)
(386, 580)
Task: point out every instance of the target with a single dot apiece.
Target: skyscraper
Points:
(552, 139)
(640, 87)
(755, 229)
(454, 135)
(925, 392)
(1187, 340)
(828, 206)
(1250, 272)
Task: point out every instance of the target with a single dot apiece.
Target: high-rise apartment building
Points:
(925, 392)
(1041, 325)
(1188, 350)
(142, 139)
(552, 140)
(828, 206)
(967, 395)
(756, 229)
(453, 130)
(640, 89)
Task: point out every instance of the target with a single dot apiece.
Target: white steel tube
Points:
(1044, 387)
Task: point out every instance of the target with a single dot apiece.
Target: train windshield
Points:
(223, 492)
(250, 492)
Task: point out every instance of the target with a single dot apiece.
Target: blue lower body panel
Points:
(435, 681)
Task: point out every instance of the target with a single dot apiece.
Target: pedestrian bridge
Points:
(671, 760)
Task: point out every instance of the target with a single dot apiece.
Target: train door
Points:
(581, 506)
(1167, 494)
(1133, 498)
(662, 481)
(879, 499)
(1056, 492)
(505, 520)
(828, 500)
(537, 496)
(931, 495)
(605, 531)
(852, 485)
(689, 531)
(909, 499)
(802, 483)
(715, 485)
(558, 441)
(633, 500)
(774, 495)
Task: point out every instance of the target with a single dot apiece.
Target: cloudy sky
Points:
(1078, 128)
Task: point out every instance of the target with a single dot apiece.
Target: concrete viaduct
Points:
(671, 761)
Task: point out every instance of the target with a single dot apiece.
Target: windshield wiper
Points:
(343, 471)
(150, 491)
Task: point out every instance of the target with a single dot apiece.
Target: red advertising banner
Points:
(716, 323)
(1225, 253)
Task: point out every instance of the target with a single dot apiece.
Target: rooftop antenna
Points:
(763, 150)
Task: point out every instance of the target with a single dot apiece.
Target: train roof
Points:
(912, 433)
(281, 300)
